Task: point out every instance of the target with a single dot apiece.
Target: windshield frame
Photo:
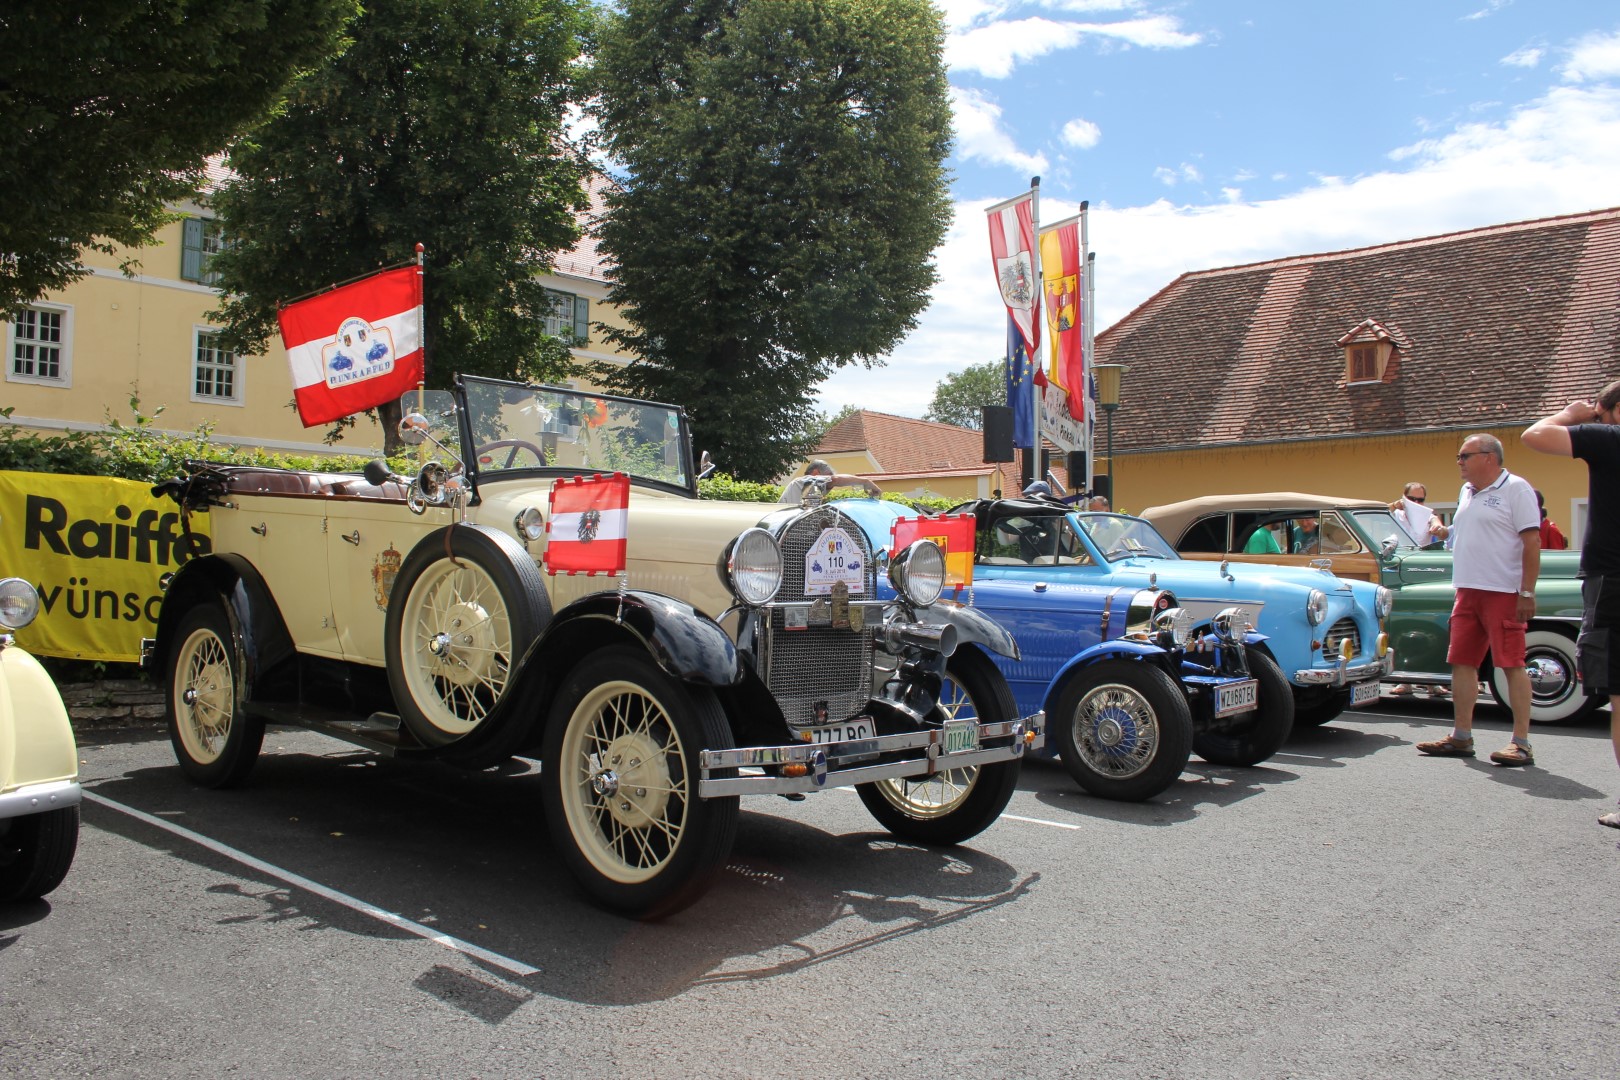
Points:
(471, 391)
(1079, 522)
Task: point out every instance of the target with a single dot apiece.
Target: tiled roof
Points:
(900, 444)
(1492, 327)
(583, 259)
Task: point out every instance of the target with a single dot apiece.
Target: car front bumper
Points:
(1344, 672)
(39, 798)
(802, 767)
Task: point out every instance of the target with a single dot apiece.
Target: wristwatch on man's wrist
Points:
(1527, 593)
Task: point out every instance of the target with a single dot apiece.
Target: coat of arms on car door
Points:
(383, 572)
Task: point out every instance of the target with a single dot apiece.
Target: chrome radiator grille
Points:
(1344, 629)
(819, 664)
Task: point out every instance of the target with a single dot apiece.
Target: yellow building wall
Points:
(134, 337)
(1352, 468)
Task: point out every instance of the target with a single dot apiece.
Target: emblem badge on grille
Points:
(820, 709)
(840, 606)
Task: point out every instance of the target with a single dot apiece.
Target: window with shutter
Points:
(200, 240)
(569, 317)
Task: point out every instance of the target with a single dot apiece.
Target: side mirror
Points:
(413, 429)
(1387, 548)
(705, 466)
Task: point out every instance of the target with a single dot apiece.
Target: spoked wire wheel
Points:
(1116, 731)
(1123, 729)
(466, 604)
(215, 740)
(622, 756)
(952, 805)
(459, 635)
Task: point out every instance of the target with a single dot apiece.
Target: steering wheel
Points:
(511, 454)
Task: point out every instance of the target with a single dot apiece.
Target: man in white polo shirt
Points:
(1497, 534)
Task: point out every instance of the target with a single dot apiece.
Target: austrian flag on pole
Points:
(1012, 246)
(356, 346)
(587, 530)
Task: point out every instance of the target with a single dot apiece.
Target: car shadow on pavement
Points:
(1200, 787)
(1330, 745)
(468, 855)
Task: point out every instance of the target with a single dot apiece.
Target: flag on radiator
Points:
(586, 530)
(954, 535)
(354, 347)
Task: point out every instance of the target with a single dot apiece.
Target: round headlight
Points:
(754, 567)
(1231, 623)
(1384, 601)
(1177, 622)
(530, 524)
(19, 603)
(1316, 607)
(918, 573)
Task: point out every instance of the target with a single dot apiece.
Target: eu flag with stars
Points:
(1019, 372)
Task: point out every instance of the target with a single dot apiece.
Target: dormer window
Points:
(1371, 353)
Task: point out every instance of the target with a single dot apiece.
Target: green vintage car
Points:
(1360, 538)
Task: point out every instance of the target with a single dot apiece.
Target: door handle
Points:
(353, 538)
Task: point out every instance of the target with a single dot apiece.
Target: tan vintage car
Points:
(1285, 527)
(415, 615)
(39, 763)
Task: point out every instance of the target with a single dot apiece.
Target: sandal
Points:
(1612, 820)
(1450, 746)
(1513, 754)
(1439, 692)
(1401, 691)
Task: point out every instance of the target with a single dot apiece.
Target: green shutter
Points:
(582, 320)
(191, 249)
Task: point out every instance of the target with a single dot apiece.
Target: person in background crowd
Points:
(1498, 555)
(1590, 431)
(1098, 503)
(1552, 537)
(1263, 541)
(1307, 536)
(793, 491)
(1416, 518)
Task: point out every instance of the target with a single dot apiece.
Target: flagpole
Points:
(1085, 345)
(1089, 338)
(1036, 314)
(421, 322)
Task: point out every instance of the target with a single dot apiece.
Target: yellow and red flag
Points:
(1061, 279)
(954, 535)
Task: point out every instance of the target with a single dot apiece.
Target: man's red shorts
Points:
(1480, 619)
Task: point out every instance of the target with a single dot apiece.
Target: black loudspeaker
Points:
(997, 425)
(1103, 484)
(1077, 470)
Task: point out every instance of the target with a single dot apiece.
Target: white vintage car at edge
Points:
(416, 616)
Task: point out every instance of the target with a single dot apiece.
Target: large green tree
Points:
(959, 396)
(784, 187)
(441, 124)
(111, 106)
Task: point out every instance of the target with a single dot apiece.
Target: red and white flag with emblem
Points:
(1012, 247)
(587, 530)
(355, 347)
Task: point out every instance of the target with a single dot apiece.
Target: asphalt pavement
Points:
(1347, 909)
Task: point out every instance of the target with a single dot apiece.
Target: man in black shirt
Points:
(1590, 431)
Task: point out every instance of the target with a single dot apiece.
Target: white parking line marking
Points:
(516, 967)
(1039, 821)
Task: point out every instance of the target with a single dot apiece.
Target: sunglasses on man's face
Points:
(1419, 499)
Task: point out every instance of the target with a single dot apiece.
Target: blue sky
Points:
(1217, 132)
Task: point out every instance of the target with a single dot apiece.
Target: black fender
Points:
(234, 581)
(972, 627)
(683, 641)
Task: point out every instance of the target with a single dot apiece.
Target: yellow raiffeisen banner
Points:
(95, 548)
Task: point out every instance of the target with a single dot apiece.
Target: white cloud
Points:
(1165, 176)
(1081, 133)
(1527, 57)
(1596, 56)
(1490, 8)
(1559, 154)
(981, 137)
(996, 48)
(1231, 194)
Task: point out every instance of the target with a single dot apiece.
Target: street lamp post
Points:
(1108, 376)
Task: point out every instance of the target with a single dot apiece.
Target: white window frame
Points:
(64, 377)
(238, 371)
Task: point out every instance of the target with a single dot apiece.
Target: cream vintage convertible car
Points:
(732, 658)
